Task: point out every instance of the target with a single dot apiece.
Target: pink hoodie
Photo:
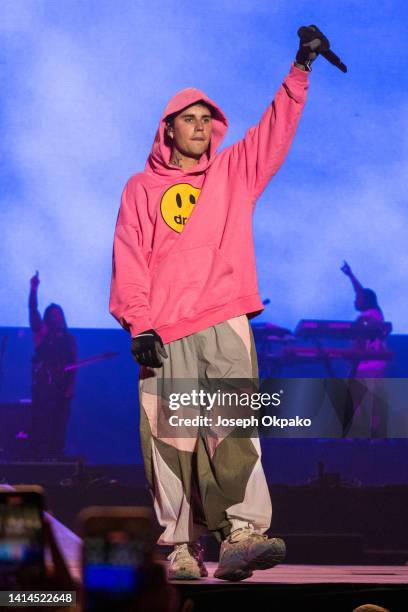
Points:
(180, 282)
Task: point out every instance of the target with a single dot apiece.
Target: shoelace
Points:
(185, 551)
(243, 533)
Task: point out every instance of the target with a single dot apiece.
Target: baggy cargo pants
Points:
(203, 483)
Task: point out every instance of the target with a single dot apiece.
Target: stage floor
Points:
(318, 574)
(338, 588)
(70, 544)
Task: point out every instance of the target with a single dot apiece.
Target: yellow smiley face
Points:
(177, 204)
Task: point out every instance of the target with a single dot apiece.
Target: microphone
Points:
(334, 59)
(311, 33)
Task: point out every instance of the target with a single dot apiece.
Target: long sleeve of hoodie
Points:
(260, 154)
(130, 285)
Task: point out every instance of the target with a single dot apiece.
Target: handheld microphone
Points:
(334, 59)
(311, 33)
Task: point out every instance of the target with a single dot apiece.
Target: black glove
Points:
(312, 42)
(147, 348)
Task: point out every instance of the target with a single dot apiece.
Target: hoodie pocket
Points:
(188, 283)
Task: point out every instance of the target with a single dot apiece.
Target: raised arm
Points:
(260, 154)
(38, 327)
(358, 287)
(262, 151)
(35, 319)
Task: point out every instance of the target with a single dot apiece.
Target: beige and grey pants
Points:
(203, 483)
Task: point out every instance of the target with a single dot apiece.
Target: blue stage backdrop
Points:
(83, 87)
(103, 425)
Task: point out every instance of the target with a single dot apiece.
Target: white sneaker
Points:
(244, 551)
(187, 562)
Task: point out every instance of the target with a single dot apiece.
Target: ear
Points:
(170, 131)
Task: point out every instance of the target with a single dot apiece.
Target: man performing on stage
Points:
(184, 284)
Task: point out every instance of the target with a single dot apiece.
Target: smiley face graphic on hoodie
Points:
(177, 205)
(184, 257)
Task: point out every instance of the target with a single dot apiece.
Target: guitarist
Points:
(52, 387)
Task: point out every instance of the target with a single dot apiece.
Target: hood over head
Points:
(159, 159)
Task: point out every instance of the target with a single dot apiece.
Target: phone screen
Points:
(114, 565)
(21, 539)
